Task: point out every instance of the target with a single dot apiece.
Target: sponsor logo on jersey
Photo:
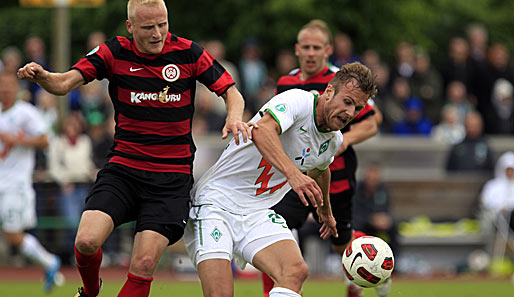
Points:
(162, 96)
(281, 107)
(170, 72)
(302, 129)
(93, 50)
(323, 147)
(305, 154)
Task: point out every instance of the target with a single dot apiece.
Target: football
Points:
(368, 261)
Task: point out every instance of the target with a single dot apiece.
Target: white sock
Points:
(32, 249)
(282, 292)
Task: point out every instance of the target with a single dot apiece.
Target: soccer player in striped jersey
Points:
(148, 176)
(296, 132)
(313, 47)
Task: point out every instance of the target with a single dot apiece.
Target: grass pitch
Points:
(313, 288)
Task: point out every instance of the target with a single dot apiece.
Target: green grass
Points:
(401, 288)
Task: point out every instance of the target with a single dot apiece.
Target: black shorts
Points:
(295, 213)
(157, 201)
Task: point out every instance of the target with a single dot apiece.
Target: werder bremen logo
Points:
(281, 107)
(323, 147)
(216, 234)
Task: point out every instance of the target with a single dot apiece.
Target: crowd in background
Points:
(459, 102)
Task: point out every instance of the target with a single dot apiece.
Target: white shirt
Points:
(17, 162)
(242, 182)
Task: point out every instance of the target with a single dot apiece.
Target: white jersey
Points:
(17, 162)
(242, 181)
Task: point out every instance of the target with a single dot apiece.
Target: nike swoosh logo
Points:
(355, 258)
(135, 69)
(302, 129)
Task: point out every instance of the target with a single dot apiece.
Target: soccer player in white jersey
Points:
(295, 132)
(21, 131)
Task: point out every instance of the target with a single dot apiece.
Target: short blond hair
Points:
(319, 25)
(359, 72)
(131, 5)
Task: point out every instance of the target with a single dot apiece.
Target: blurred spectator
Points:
(285, 61)
(500, 119)
(94, 39)
(94, 101)
(478, 39)
(252, 69)
(498, 193)
(456, 95)
(415, 122)
(393, 105)
(497, 202)
(450, 129)
(35, 50)
(205, 109)
(47, 109)
(404, 60)
(343, 50)
(371, 207)
(70, 164)
(473, 153)
(11, 59)
(101, 132)
(427, 84)
(497, 66)
(371, 58)
(458, 67)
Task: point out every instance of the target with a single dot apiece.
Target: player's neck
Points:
(7, 105)
(305, 76)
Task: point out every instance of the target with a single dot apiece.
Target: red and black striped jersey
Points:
(153, 98)
(344, 166)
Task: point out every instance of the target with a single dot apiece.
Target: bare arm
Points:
(235, 105)
(325, 211)
(265, 138)
(39, 142)
(358, 133)
(55, 83)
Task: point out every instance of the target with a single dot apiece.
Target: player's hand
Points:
(304, 185)
(235, 127)
(32, 72)
(9, 139)
(329, 223)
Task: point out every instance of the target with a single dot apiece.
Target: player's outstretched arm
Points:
(234, 122)
(265, 138)
(55, 83)
(358, 133)
(324, 211)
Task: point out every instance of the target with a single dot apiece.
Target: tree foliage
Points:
(371, 24)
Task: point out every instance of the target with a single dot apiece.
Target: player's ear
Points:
(329, 90)
(129, 26)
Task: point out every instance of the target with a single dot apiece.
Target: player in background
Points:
(313, 47)
(21, 132)
(296, 132)
(148, 177)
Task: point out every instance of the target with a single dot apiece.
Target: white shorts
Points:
(18, 208)
(213, 233)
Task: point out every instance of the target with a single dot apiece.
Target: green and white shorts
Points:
(214, 233)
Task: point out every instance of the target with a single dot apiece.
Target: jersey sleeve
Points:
(325, 165)
(209, 71)
(97, 64)
(286, 107)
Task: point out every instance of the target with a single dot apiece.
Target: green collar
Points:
(315, 118)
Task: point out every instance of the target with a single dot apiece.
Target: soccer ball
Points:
(368, 261)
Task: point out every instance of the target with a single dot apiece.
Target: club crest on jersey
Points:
(170, 72)
(305, 153)
(323, 147)
(93, 50)
(281, 107)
